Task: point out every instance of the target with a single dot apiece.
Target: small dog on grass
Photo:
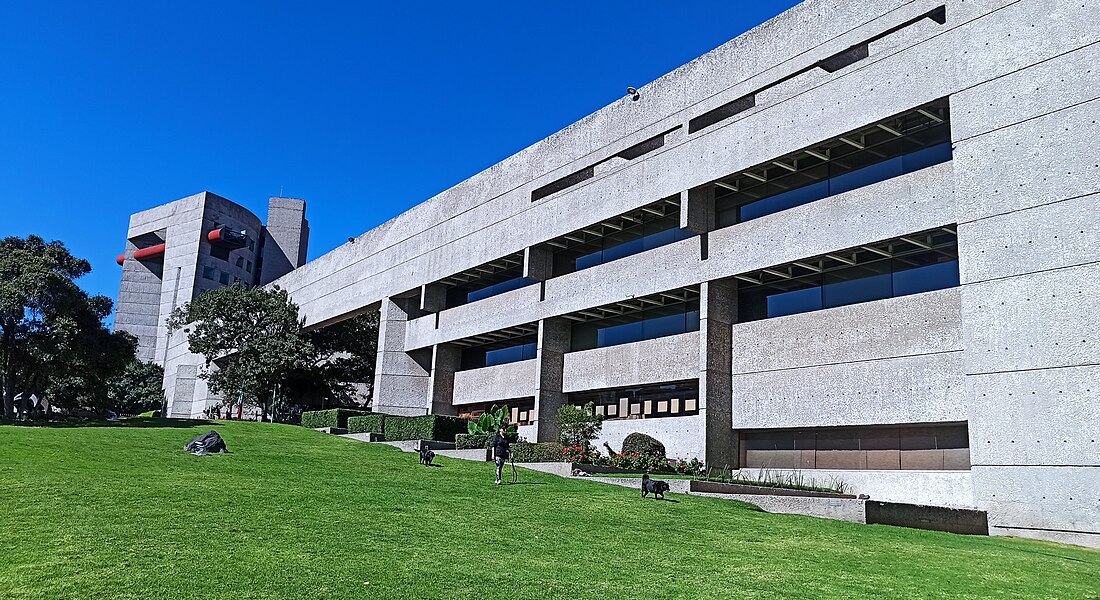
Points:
(654, 486)
(426, 457)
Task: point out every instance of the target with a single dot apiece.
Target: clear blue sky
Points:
(363, 109)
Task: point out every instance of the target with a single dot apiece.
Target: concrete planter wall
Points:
(714, 487)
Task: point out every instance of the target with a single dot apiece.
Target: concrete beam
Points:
(697, 209)
(433, 297)
(538, 262)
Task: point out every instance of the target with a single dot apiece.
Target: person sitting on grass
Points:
(500, 450)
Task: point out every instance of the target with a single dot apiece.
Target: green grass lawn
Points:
(122, 512)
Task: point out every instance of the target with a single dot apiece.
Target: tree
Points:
(138, 388)
(52, 337)
(341, 369)
(252, 334)
(578, 425)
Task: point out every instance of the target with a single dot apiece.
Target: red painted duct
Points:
(143, 253)
(121, 259)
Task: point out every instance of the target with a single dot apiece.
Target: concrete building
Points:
(176, 251)
(860, 239)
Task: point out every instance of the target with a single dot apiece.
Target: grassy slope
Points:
(122, 512)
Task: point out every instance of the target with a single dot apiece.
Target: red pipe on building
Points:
(215, 235)
(143, 253)
(149, 252)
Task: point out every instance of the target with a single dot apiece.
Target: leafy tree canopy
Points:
(52, 337)
(254, 338)
(252, 334)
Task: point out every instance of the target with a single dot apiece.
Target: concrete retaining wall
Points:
(934, 488)
(682, 436)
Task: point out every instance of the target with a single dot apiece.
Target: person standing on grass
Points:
(500, 450)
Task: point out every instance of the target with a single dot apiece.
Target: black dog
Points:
(654, 486)
(426, 457)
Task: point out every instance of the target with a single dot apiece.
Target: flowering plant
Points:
(577, 454)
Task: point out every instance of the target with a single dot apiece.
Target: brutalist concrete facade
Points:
(178, 250)
(981, 392)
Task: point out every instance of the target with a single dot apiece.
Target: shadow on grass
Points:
(132, 422)
(528, 483)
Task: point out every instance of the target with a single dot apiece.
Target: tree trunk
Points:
(7, 372)
(9, 393)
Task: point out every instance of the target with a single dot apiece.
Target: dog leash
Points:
(515, 475)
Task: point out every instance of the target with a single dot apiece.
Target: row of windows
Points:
(212, 274)
(909, 447)
(521, 411)
(645, 234)
(902, 144)
(911, 273)
(478, 356)
(864, 283)
(647, 324)
(676, 399)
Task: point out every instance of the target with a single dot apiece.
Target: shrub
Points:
(440, 428)
(472, 441)
(644, 445)
(333, 417)
(366, 423)
(579, 425)
(537, 452)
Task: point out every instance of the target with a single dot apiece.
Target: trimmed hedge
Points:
(472, 441)
(439, 428)
(366, 424)
(333, 417)
(640, 443)
(537, 452)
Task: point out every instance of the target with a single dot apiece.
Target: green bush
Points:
(440, 428)
(472, 441)
(366, 423)
(333, 417)
(537, 452)
(644, 445)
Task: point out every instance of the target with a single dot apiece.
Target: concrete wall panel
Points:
(1051, 236)
(1066, 80)
(1036, 162)
(910, 325)
(671, 358)
(1045, 319)
(1064, 499)
(913, 389)
(492, 384)
(1040, 418)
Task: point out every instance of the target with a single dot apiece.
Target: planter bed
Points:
(715, 487)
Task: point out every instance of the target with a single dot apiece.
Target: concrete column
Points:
(697, 209)
(286, 238)
(538, 262)
(717, 311)
(445, 361)
(401, 378)
(433, 297)
(553, 343)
